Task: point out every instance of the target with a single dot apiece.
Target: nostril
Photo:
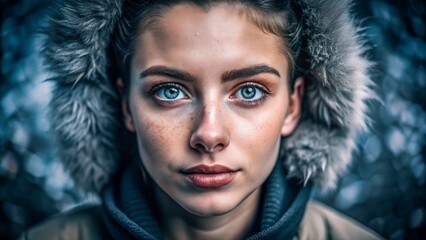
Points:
(218, 147)
(202, 148)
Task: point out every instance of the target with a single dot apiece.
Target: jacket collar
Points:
(129, 213)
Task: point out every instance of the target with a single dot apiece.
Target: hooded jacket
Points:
(129, 213)
(85, 105)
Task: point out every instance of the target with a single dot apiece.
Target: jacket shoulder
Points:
(83, 222)
(322, 222)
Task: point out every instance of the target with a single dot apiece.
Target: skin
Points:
(209, 120)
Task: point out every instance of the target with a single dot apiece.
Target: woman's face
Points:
(209, 101)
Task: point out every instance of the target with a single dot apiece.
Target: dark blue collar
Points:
(130, 214)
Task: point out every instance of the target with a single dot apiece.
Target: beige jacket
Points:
(319, 222)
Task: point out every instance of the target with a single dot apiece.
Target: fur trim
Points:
(84, 119)
(321, 147)
(85, 106)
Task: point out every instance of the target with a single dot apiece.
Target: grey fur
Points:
(84, 105)
(321, 147)
(86, 118)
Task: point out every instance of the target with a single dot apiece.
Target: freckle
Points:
(192, 116)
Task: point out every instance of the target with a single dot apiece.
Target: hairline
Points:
(269, 22)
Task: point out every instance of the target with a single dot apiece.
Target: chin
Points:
(208, 211)
(208, 206)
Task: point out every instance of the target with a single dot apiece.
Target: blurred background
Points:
(385, 188)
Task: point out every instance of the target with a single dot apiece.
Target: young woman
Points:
(205, 119)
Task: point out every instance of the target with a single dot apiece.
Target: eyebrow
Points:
(249, 72)
(227, 76)
(166, 71)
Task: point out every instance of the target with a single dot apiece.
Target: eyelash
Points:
(153, 92)
(265, 93)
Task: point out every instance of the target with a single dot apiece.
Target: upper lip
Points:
(214, 169)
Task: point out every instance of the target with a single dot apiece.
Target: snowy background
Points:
(385, 189)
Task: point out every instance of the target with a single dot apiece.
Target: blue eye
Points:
(169, 93)
(250, 93)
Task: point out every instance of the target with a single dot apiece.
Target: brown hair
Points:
(275, 17)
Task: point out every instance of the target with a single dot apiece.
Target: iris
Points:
(171, 92)
(248, 92)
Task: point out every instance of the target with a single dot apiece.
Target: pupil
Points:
(171, 93)
(249, 92)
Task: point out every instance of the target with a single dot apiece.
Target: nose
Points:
(210, 133)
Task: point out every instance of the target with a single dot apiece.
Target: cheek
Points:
(261, 139)
(263, 129)
(159, 141)
(264, 147)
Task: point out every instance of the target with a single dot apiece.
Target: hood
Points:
(85, 106)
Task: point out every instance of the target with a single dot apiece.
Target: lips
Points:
(210, 177)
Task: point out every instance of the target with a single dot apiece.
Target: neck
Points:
(177, 223)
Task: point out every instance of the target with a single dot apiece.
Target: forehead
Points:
(222, 31)
(268, 21)
(222, 22)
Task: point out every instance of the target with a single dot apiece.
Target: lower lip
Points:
(212, 180)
